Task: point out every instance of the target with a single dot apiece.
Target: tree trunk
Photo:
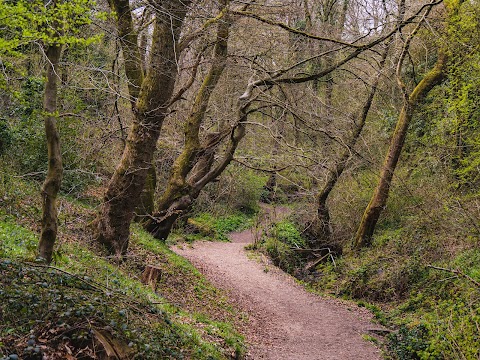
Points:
(161, 224)
(163, 221)
(179, 194)
(149, 98)
(53, 180)
(378, 201)
(323, 229)
(146, 206)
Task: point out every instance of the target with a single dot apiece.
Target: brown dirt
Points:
(285, 321)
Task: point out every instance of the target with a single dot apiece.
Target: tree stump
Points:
(151, 275)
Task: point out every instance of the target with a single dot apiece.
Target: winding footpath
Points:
(286, 322)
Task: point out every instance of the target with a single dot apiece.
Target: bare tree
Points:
(196, 159)
(322, 226)
(379, 198)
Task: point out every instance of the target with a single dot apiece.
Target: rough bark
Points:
(180, 193)
(53, 180)
(322, 228)
(131, 52)
(162, 223)
(205, 157)
(146, 205)
(149, 99)
(378, 201)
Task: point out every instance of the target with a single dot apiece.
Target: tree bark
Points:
(162, 223)
(53, 180)
(323, 229)
(180, 193)
(378, 201)
(146, 205)
(149, 99)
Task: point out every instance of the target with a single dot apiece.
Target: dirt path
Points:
(286, 322)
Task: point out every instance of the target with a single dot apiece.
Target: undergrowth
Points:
(435, 314)
(87, 306)
(208, 226)
(420, 277)
(422, 272)
(280, 242)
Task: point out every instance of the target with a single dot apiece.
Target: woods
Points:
(181, 117)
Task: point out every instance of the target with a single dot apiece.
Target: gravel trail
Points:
(286, 322)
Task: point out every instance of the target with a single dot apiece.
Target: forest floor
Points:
(285, 321)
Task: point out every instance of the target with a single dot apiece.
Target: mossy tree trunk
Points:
(53, 180)
(149, 95)
(322, 227)
(182, 188)
(379, 199)
(204, 172)
(146, 205)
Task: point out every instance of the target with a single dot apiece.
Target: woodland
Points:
(129, 126)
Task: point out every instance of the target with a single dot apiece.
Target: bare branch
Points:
(293, 30)
(456, 272)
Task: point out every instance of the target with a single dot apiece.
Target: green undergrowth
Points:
(87, 306)
(280, 242)
(421, 275)
(211, 227)
(434, 313)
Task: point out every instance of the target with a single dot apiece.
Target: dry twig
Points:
(458, 273)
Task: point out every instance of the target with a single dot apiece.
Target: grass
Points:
(86, 305)
(434, 314)
(16, 242)
(207, 226)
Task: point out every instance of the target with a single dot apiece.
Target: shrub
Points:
(6, 136)
(286, 232)
(210, 226)
(408, 343)
(238, 190)
(279, 243)
(280, 253)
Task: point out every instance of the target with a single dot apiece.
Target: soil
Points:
(285, 321)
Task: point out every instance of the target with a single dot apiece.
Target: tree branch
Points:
(273, 80)
(456, 272)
